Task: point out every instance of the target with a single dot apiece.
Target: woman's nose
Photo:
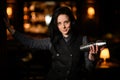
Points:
(63, 25)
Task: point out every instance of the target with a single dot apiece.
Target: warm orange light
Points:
(91, 12)
(9, 11)
(25, 9)
(26, 17)
(104, 54)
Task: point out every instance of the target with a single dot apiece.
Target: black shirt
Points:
(68, 62)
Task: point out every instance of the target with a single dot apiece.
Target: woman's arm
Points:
(44, 44)
(90, 58)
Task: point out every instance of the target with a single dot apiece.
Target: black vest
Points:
(67, 60)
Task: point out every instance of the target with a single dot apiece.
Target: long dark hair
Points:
(54, 33)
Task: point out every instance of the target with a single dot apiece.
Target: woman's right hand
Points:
(8, 26)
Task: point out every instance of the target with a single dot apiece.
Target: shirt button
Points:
(57, 54)
(66, 79)
(70, 54)
(68, 72)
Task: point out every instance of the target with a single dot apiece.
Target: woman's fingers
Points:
(93, 49)
(96, 47)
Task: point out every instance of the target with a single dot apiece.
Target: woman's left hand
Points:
(92, 52)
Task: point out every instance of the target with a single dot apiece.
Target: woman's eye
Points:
(58, 23)
(67, 22)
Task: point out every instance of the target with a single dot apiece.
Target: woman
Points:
(68, 61)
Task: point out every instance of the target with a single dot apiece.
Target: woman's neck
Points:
(67, 37)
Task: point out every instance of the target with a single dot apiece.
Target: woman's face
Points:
(64, 24)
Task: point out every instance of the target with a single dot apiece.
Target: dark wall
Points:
(3, 52)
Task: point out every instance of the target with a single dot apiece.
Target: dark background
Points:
(11, 51)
